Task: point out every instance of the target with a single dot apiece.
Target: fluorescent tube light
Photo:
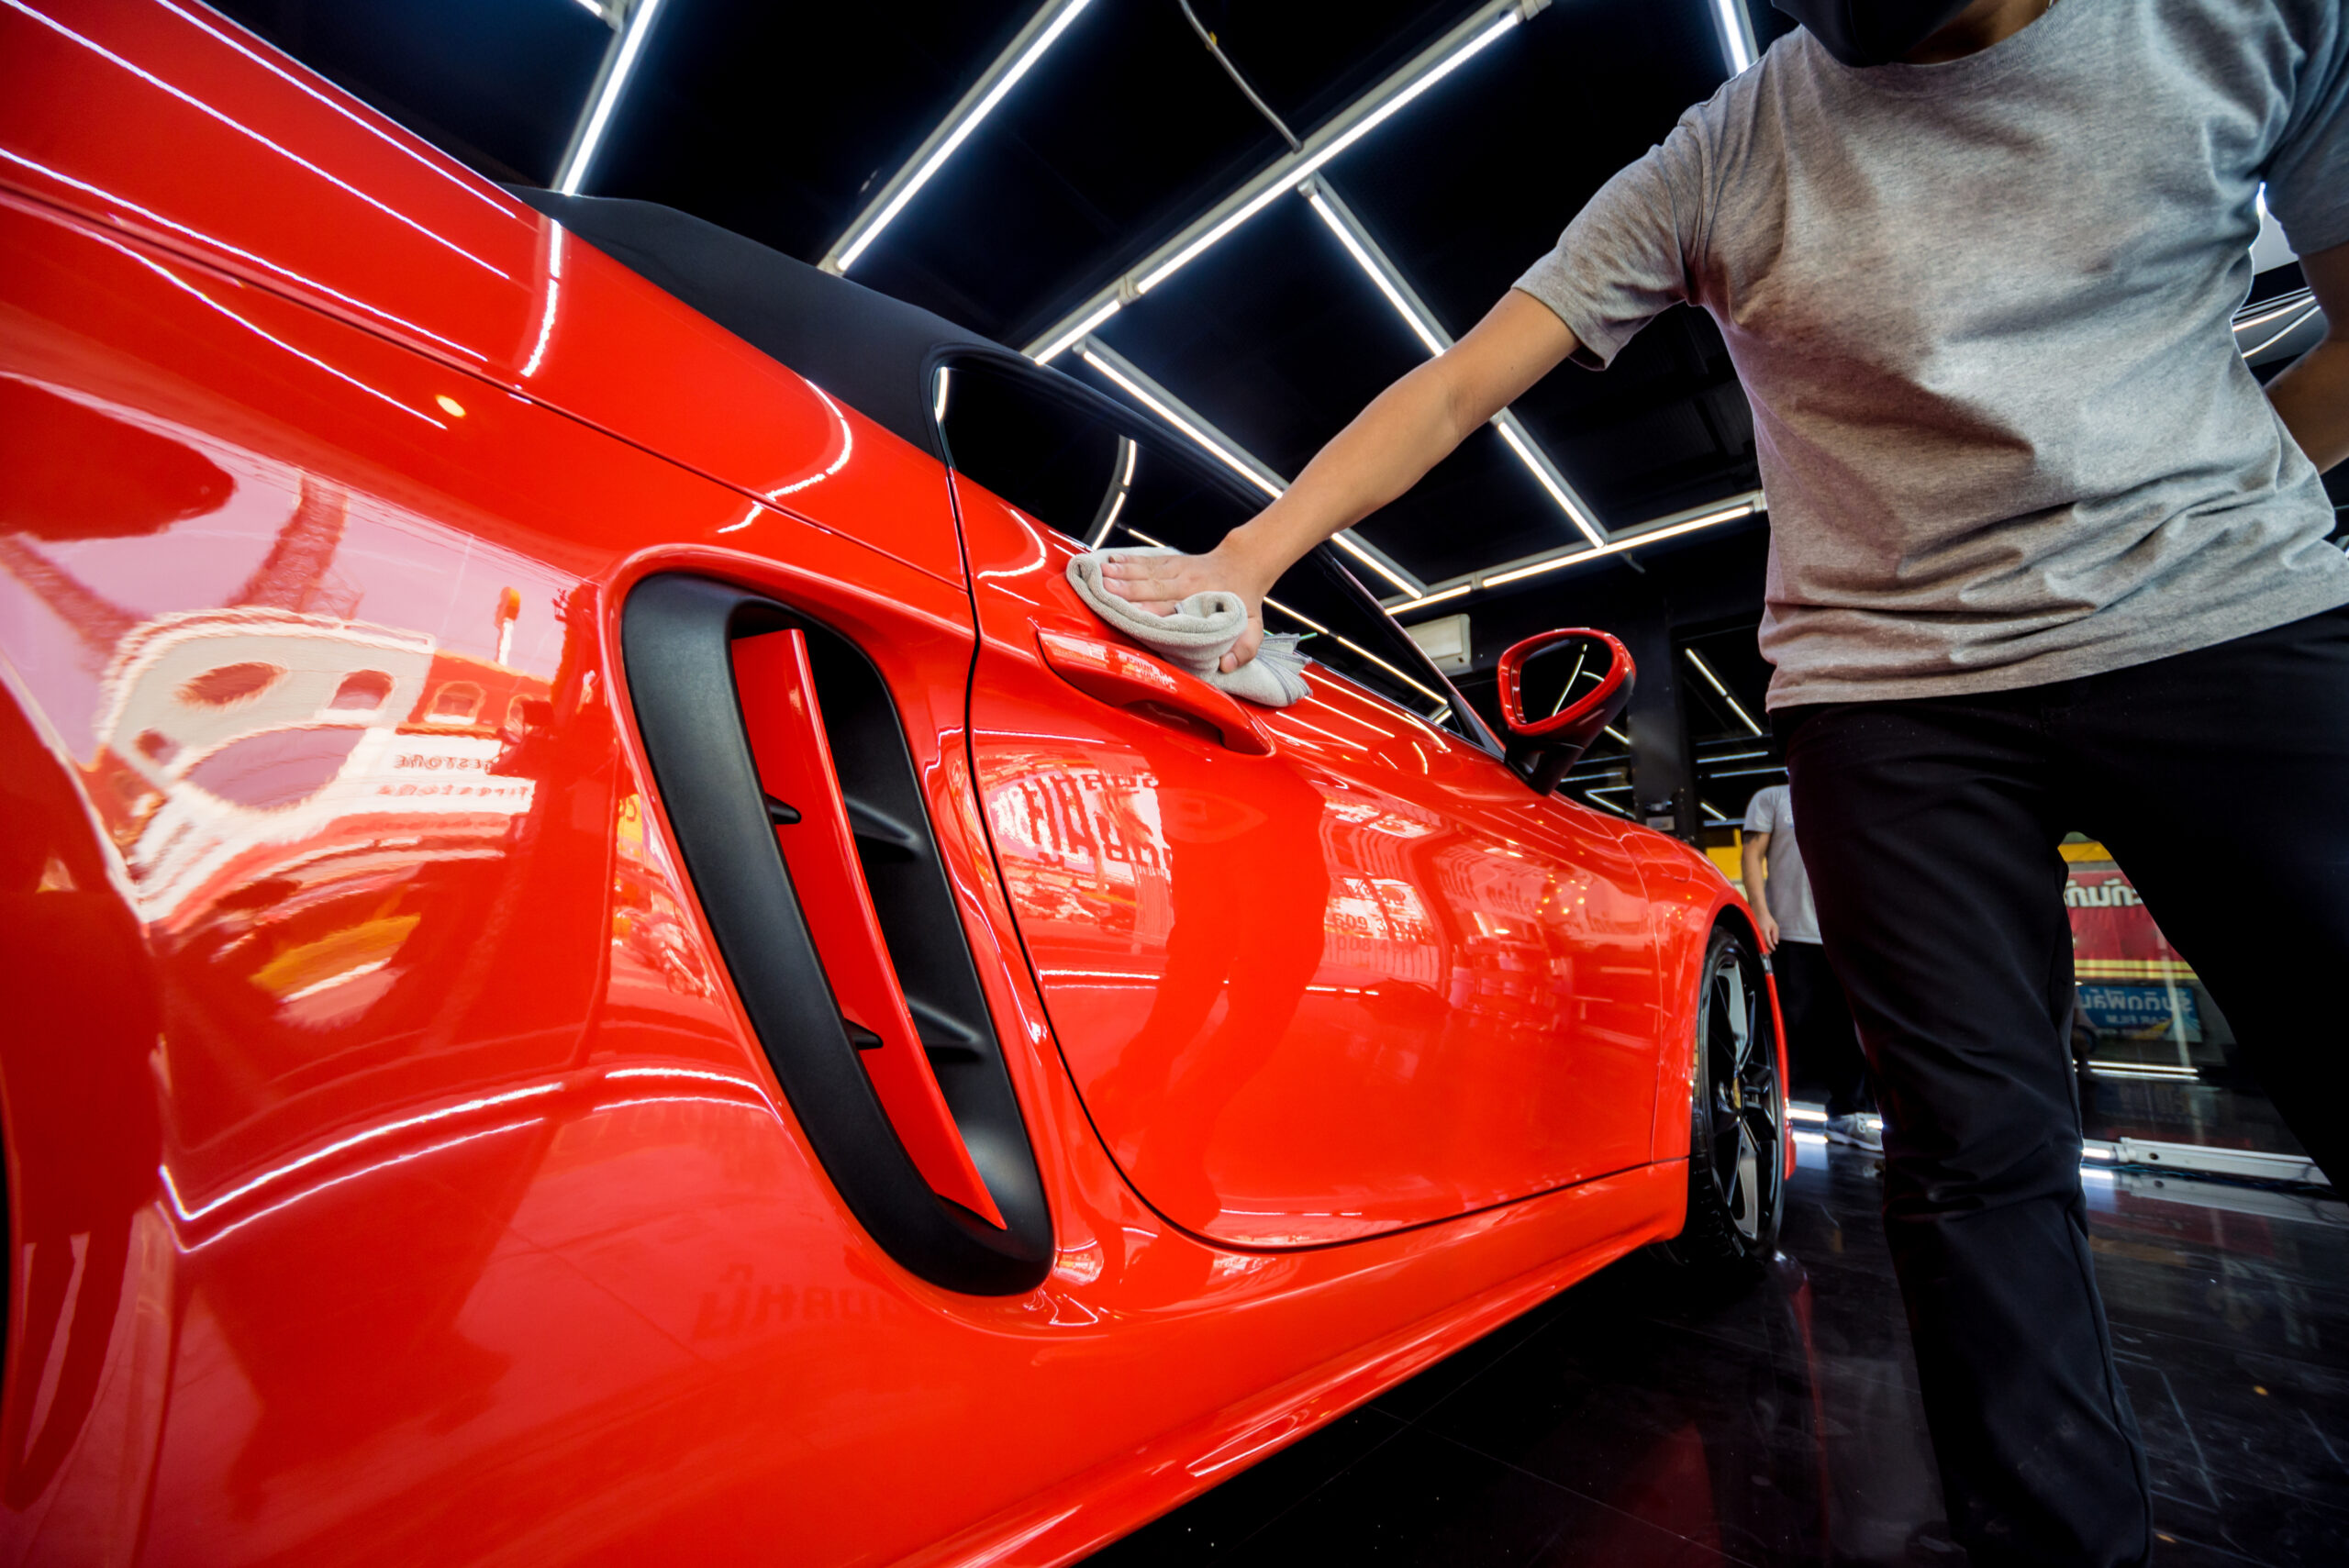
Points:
(1737, 34)
(1424, 600)
(965, 118)
(1619, 546)
(1346, 543)
(1428, 332)
(1084, 328)
(1520, 442)
(1715, 681)
(937, 404)
(1200, 438)
(600, 118)
(1304, 167)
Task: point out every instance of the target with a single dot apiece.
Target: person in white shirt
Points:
(1822, 1044)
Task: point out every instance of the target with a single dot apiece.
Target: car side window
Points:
(1103, 484)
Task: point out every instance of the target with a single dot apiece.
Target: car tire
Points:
(1737, 1196)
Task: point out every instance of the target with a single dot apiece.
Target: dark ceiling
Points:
(777, 122)
(780, 122)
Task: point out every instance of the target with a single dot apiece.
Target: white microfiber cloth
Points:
(1198, 635)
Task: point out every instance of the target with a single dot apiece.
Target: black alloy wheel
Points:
(1737, 1113)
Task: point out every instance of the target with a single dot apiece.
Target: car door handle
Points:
(1126, 678)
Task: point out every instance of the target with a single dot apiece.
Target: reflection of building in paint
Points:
(230, 737)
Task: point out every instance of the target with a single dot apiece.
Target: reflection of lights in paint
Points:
(848, 445)
(555, 234)
(212, 241)
(1059, 345)
(1128, 452)
(679, 1100)
(1358, 648)
(959, 133)
(938, 406)
(185, 287)
(449, 405)
(1306, 167)
(463, 182)
(692, 1073)
(243, 129)
(331, 981)
(332, 1181)
(747, 518)
(279, 1173)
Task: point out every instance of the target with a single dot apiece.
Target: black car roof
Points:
(874, 354)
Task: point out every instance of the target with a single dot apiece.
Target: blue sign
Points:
(2142, 1012)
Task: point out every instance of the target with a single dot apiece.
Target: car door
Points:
(1317, 971)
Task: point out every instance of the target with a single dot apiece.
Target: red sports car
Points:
(604, 963)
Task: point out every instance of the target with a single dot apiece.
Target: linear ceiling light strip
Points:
(1482, 27)
(1194, 428)
(1397, 292)
(1746, 506)
(1715, 682)
(620, 62)
(1043, 30)
(1737, 34)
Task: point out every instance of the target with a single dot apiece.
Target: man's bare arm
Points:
(1407, 430)
(2312, 396)
(1753, 870)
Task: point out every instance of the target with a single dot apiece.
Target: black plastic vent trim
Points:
(676, 632)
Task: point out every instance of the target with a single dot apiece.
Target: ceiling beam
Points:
(1390, 282)
(1480, 29)
(1451, 591)
(631, 23)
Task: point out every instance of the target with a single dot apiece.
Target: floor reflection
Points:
(1635, 1420)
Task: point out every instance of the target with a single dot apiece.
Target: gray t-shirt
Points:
(1785, 884)
(1982, 311)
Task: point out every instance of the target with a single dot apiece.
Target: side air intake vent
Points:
(790, 789)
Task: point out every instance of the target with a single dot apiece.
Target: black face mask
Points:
(1871, 32)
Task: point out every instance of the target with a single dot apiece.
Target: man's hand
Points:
(1406, 430)
(1159, 584)
(1753, 869)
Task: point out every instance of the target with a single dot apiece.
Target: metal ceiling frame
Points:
(631, 24)
(1138, 385)
(1372, 259)
(1342, 130)
(1003, 73)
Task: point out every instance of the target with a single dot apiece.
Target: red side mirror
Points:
(1558, 690)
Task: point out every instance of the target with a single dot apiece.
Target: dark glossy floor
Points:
(1632, 1422)
(2219, 1115)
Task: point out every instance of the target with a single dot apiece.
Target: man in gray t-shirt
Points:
(2045, 555)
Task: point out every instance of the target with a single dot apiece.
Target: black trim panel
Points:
(676, 633)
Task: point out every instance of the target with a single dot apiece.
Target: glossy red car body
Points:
(394, 1172)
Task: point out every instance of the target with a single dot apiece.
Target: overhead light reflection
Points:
(243, 129)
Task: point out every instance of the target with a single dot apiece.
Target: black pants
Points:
(2220, 779)
(1822, 1048)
